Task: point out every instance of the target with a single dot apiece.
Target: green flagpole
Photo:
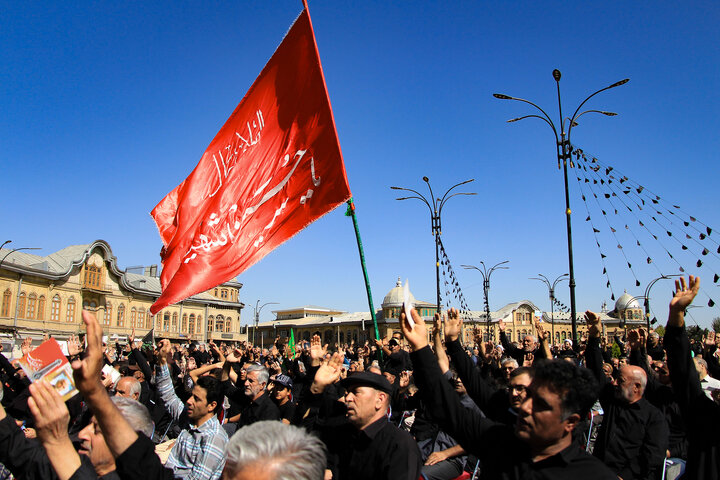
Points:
(351, 213)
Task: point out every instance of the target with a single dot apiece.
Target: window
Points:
(32, 306)
(184, 325)
(174, 322)
(70, 312)
(191, 325)
(55, 309)
(133, 317)
(141, 319)
(224, 293)
(198, 326)
(93, 276)
(41, 308)
(228, 325)
(107, 316)
(7, 296)
(219, 323)
(166, 322)
(21, 305)
(210, 324)
(121, 315)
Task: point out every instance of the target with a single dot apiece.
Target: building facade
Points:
(337, 326)
(45, 295)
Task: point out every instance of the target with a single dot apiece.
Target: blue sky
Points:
(107, 106)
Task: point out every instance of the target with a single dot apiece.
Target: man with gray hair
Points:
(707, 383)
(274, 451)
(257, 404)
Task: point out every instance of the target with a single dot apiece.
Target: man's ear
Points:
(571, 422)
(212, 406)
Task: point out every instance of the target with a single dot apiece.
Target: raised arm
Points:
(438, 344)
(173, 404)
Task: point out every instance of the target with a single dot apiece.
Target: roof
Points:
(61, 264)
(396, 296)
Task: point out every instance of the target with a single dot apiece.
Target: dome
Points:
(396, 296)
(626, 302)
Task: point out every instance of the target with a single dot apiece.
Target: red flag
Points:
(272, 169)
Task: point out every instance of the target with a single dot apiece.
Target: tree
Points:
(716, 324)
(660, 330)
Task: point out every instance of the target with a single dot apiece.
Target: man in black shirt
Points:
(540, 445)
(633, 437)
(362, 444)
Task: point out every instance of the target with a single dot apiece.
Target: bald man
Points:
(633, 437)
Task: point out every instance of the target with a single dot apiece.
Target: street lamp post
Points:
(647, 297)
(564, 149)
(486, 272)
(257, 317)
(435, 205)
(551, 290)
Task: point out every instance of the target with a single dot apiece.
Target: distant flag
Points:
(149, 338)
(272, 169)
(291, 342)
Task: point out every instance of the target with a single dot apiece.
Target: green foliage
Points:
(716, 324)
(616, 350)
(696, 333)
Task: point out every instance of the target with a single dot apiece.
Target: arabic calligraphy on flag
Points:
(272, 169)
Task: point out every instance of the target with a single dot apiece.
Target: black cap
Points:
(367, 379)
(393, 342)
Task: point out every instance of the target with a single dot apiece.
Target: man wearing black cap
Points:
(364, 445)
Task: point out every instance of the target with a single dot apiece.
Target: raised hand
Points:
(416, 335)
(404, 379)
(131, 337)
(453, 325)
(437, 325)
(87, 371)
(528, 360)
(634, 339)
(51, 414)
(709, 341)
(593, 323)
(328, 373)
(25, 346)
(684, 293)
(501, 325)
(317, 350)
(74, 347)
(164, 349)
(541, 333)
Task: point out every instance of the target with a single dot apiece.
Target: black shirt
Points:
(261, 409)
(287, 410)
(503, 456)
(380, 451)
(701, 414)
(140, 461)
(633, 437)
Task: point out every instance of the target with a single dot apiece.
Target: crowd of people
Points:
(404, 408)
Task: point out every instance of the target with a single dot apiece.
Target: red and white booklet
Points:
(47, 362)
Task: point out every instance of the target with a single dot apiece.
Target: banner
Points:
(272, 169)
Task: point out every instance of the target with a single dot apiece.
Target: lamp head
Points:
(502, 96)
(557, 75)
(621, 82)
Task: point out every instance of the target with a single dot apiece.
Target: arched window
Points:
(228, 325)
(93, 276)
(121, 315)
(328, 336)
(41, 308)
(216, 292)
(191, 325)
(166, 322)
(107, 316)
(7, 297)
(563, 335)
(198, 326)
(211, 323)
(224, 294)
(219, 323)
(70, 311)
(184, 325)
(32, 306)
(21, 305)
(55, 309)
(174, 322)
(133, 317)
(141, 318)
